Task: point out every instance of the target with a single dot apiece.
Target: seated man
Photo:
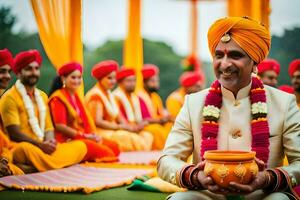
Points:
(6, 159)
(105, 111)
(237, 113)
(27, 120)
(190, 82)
(268, 71)
(154, 104)
(132, 107)
(294, 72)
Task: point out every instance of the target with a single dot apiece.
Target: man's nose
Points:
(225, 62)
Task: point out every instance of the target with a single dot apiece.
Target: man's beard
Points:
(29, 82)
(152, 89)
(130, 90)
(297, 88)
(4, 83)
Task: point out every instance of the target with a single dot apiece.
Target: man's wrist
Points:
(189, 177)
(277, 181)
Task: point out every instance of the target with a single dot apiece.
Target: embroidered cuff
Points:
(182, 176)
(290, 182)
(188, 177)
(280, 182)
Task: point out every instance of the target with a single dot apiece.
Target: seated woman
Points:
(105, 111)
(72, 121)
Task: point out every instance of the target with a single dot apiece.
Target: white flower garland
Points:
(110, 103)
(212, 111)
(37, 128)
(259, 107)
(133, 114)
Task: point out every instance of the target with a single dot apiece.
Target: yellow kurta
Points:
(155, 106)
(175, 101)
(97, 99)
(159, 132)
(5, 152)
(13, 112)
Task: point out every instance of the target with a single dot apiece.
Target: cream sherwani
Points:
(185, 137)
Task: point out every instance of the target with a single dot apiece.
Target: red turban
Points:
(294, 66)
(123, 73)
(69, 68)
(104, 68)
(149, 70)
(250, 35)
(188, 79)
(268, 64)
(25, 58)
(286, 88)
(6, 58)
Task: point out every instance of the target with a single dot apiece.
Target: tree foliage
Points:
(286, 48)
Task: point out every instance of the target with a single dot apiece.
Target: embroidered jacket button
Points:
(237, 103)
(236, 134)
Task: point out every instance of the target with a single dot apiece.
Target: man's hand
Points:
(4, 168)
(207, 182)
(92, 136)
(258, 182)
(47, 147)
(52, 141)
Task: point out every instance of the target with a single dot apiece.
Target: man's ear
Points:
(254, 68)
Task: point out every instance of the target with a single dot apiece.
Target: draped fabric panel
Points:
(59, 24)
(194, 28)
(257, 9)
(133, 45)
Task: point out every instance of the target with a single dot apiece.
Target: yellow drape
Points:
(59, 23)
(133, 46)
(257, 9)
(194, 28)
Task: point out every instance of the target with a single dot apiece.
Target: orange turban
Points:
(149, 70)
(294, 66)
(250, 35)
(25, 58)
(188, 79)
(69, 68)
(268, 64)
(6, 58)
(104, 68)
(123, 73)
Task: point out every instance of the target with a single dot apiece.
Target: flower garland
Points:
(110, 102)
(133, 112)
(259, 123)
(37, 128)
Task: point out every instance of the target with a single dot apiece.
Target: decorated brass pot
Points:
(230, 166)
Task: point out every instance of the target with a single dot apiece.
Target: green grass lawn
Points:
(116, 193)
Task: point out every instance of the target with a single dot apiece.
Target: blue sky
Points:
(164, 20)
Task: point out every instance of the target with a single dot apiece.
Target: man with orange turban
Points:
(26, 119)
(294, 72)
(268, 71)
(106, 113)
(190, 82)
(237, 113)
(133, 109)
(154, 105)
(6, 157)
